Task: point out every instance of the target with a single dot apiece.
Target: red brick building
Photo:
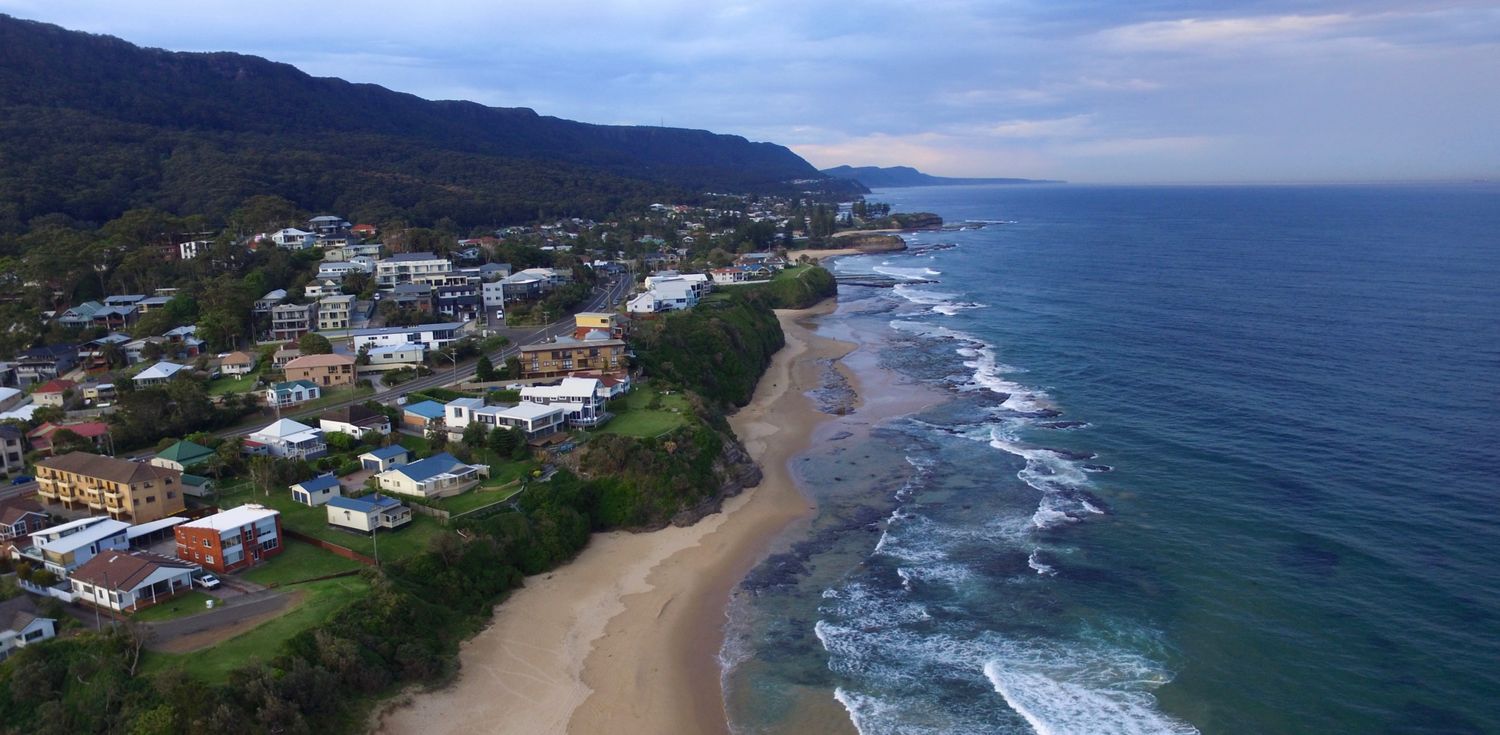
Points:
(232, 540)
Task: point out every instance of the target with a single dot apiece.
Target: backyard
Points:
(646, 412)
(401, 543)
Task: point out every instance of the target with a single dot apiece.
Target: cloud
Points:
(1167, 35)
(1052, 128)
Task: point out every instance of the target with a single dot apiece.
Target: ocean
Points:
(1208, 459)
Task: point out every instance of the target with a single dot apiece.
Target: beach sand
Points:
(625, 639)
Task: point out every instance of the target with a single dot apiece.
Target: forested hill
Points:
(91, 126)
(876, 176)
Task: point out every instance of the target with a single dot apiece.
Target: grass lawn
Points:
(230, 384)
(320, 601)
(191, 603)
(297, 562)
(478, 498)
(636, 418)
(295, 516)
(790, 272)
(331, 397)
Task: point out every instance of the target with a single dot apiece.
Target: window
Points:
(270, 544)
(151, 498)
(209, 559)
(205, 543)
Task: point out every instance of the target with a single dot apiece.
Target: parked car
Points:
(207, 581)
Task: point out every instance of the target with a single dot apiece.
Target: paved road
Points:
(234, 610)
(604, 299)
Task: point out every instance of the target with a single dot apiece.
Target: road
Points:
(604, 299)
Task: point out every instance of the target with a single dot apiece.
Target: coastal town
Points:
(215, 492)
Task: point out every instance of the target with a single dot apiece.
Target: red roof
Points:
(54, 386)
(86, 429)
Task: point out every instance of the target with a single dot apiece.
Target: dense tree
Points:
(484, 370)
(313, 343)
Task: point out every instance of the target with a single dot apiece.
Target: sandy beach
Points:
(626, 638)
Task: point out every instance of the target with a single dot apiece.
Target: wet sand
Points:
(626, 638)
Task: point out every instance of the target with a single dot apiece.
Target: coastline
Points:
(626, 637)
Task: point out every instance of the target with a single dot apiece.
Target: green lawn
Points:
(320, 601)
(331, 397)
(477, 498)
(403, 542)
(192, 603)
(229, 384)
(636, 418)
(299, 561)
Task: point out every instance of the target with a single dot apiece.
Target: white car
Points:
(207, 581)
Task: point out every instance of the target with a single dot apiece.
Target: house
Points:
(566, 355)
(409, 296)
(390, 357)
(292, 238)
(366, 514)
(523, 286)
(610, 323)
(438, 476)
(364, 230)
(324, 286)
(57, 393)
(401, 268)
(264, 304)
(40, 364)
(236, 364)
(12, 450)
(331, 273)
(116, 317)
(128, 491)
(335, 311)
(80, 316)
(183, 456)
(63, 548)
(93, 356)
(291, 393)
(321, 370)
(327, 224)
(456, 295)
(582, 398)
(422, 415)
(284, 355)
(384, 458)
(354, 420)
(534, 419)
(668, 293)
(430, 336)
(770, 262)
(158, 374)
(231, 540)
(290, 321)
(43, 437)
(20, 517)
(127, 582)
(289, 440)
(21, 625)
(12, 397)
(317, 491)
(97, 392)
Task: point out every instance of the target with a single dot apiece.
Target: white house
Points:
(429, 336)
(190, 249)
(582, 398)
(238, 363)
(354, 420)
(129, 582)
(317, 491)
(400, 268)
(21, 626)
(289, 440)
(323, 286)
(384, 458)
(534, 419)
(66, 547)
(291, 393)
(368, 513)
(161, 372)
(438, 476)
(389, 357)
(294, 239)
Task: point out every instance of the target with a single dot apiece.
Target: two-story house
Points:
(128, 491)
(566, 355)
(232, 540)
(322, 370)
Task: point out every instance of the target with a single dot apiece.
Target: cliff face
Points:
(873, 243)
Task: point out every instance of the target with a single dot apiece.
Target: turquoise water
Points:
(1216, 459)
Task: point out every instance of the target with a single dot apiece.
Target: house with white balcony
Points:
(582, 398)
(368, 514)
(287, 439)
(438, 476)
(404, 267)
(534, 419)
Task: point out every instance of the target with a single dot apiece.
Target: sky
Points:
(1083, 90)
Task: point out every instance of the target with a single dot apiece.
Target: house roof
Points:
(85, 429)
(469, 403)
(570, 388)
(90, 534)
(243, 515)
(528, 411)
(391, 452)
(319, 483)
(17, 613)
(288, 385)
(107, 468)
(159, 371)
(403, 347)
(426, 469)
(237, 358)
(442, 326)
(54, 386)
(316, 361)
(426, 409)
(117, 570)
(410, 257)
(568, 343)
(15, 509)
(365, 504)
(354, 414)
(283, 428)
(185, 452)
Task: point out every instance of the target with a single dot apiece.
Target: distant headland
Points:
(877, 176)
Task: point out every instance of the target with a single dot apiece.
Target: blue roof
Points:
(427, 409)
(425, 469)
(319, 483)
(391, 452)
(365, 504)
